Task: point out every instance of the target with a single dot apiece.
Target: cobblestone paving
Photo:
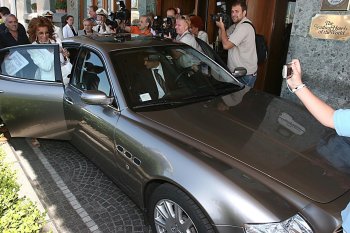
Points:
(103, 201)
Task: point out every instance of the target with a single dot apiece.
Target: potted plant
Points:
(61, 6)
(33, 6)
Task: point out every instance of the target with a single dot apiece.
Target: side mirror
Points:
(239, 72)
(94, 97)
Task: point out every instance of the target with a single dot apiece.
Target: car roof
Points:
(120, 41)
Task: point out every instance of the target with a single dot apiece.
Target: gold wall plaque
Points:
(335, 5)
(330, 27)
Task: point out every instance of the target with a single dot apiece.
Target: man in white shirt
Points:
(101, 26)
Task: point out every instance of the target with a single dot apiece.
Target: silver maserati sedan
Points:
(193, 147)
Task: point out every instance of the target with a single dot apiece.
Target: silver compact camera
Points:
(287, 71)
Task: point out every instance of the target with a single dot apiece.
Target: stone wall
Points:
(325, 63)
(73, 9)
(147, 6)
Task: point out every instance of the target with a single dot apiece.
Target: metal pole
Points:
(206, 15)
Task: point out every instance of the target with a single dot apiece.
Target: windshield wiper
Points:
(159, 103)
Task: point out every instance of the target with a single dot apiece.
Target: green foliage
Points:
(33, 6)
(8, 185)
(23, 216)
(16, 214)
(61, 4)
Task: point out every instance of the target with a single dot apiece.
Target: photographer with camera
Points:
(142, 29)
(239, 40)
(163, 27)
(171, 12)
(120, 18)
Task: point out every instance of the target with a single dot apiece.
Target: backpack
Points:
(261, 48)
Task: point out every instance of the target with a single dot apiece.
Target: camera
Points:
(120, 16)
(111, 21)
(287, 71)
(164, 26)
(221, 8)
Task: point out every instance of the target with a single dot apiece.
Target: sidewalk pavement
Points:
(77, 196)
(23, 170)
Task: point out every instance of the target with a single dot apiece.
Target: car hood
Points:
(271, 135)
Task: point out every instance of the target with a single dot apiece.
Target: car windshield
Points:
(169, 76)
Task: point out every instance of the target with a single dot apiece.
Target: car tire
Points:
(165, 202)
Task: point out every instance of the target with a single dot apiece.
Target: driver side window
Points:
(91, 73)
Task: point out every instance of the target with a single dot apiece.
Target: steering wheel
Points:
(181, 75)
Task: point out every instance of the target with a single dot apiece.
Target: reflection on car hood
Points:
(271, 135)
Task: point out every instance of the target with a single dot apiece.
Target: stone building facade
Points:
(325, 63)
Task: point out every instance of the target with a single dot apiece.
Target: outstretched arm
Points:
(319, 109)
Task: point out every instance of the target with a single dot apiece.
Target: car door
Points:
(31, 92)
(92, 125)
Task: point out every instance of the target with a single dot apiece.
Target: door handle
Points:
(68, 100)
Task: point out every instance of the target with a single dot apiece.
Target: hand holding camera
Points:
(287, 71)
(292, 73)
(221, 16)
(164, 27)
(220, 24)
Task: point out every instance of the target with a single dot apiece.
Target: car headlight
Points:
(295, 224)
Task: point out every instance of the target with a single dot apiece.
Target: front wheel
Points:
(171, 210)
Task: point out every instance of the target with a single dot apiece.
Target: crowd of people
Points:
(98, 22)
(184, 28)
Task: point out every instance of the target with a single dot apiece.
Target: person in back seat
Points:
(90, 77)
